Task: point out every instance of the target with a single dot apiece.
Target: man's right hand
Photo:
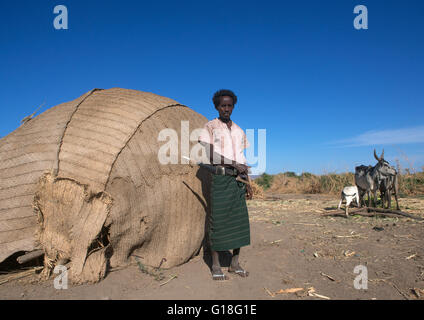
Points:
(249, 192)
(241, 168)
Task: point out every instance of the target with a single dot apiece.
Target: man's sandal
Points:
(242, 273)
(220, 277)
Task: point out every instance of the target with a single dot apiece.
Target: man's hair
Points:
(223, 93)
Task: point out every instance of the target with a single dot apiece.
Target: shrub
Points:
(265, 180)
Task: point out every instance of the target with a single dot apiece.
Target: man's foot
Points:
(238, 270)
(218, 275)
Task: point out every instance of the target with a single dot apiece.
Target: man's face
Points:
(225, 107)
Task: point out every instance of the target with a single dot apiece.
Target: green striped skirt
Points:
(229, 221)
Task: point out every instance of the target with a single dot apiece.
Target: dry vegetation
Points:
(258, 191)
(310, 183)
(411, 183)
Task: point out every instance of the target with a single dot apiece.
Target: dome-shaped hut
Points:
(82, 181)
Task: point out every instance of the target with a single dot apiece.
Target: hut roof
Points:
(81, 139)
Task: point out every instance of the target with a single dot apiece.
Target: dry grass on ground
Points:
(411, 183)
(295, 244)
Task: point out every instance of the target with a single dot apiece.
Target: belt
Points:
(224, 171)
(219, 170)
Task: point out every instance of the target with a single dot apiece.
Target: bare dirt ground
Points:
(294, 244)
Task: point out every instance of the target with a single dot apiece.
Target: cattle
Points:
(349, 193)
(365, 181)
(386, 177)
(381, 177)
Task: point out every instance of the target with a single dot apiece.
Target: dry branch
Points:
(30, 256)
(20, 275)
(370, 212)
(396, 212)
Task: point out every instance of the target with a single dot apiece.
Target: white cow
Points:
(349, 193)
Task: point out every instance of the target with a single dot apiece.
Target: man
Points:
(229, 221)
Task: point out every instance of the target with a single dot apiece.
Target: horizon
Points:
(326, 93)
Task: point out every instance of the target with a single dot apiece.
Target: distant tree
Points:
(265, 180)
(290, 174)
(306, 175)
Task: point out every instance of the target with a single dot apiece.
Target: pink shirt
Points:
(226, 142)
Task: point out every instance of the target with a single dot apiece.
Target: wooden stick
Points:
(30, 256)
(354, 211)
(377, 211)
(172, 277)
(20, 275)
(394, 286)
(398, 212)
(242, 180)
(269, 292)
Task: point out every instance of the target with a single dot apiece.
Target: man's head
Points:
(224, 101)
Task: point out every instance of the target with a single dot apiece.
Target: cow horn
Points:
(375, 156)
(382, 155)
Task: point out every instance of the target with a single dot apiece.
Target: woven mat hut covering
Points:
(83, 182)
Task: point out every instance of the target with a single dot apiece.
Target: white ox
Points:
(349, 193)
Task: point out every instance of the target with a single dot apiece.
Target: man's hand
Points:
(249, 192)
(241, 168)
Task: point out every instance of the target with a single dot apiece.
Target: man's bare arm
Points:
(243, 169)
(216, 158)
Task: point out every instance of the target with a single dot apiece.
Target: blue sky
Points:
(326, 93)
